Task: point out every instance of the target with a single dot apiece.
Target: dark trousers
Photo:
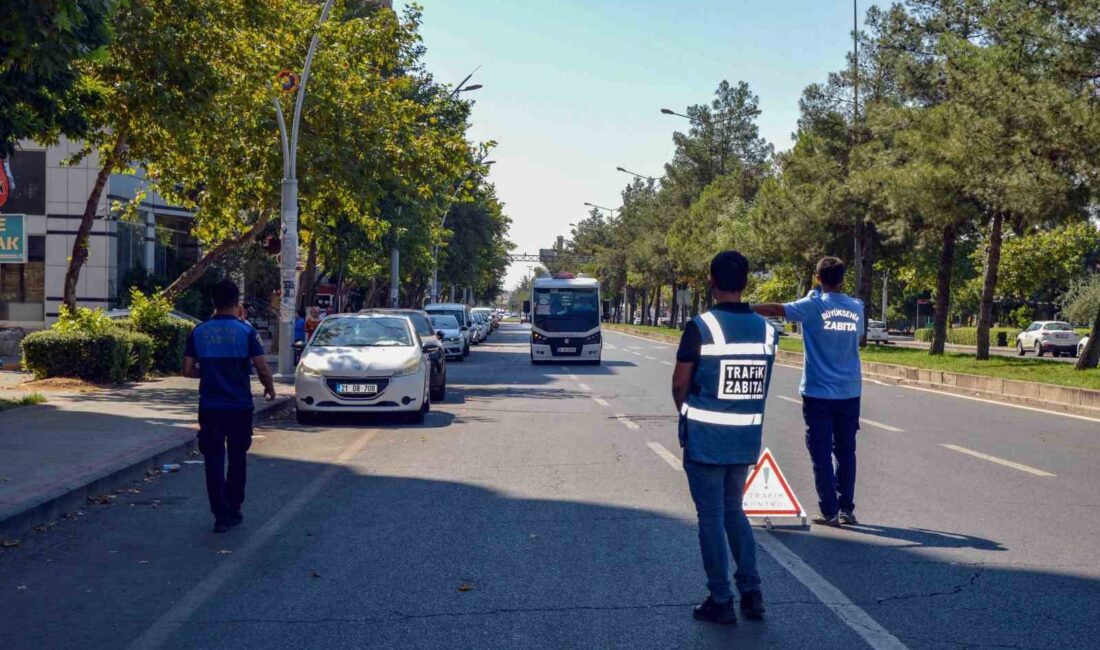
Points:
(225, 434)
(717, 491)
(831, 426)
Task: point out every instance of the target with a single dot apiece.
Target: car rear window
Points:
(1058, 327)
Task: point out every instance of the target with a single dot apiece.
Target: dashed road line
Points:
(649, 357)
(627, 422)
(665, 454)
(572, 376)
(600, 400)
(585, 387)
(999, 461)
(789, 399)
(667, 363)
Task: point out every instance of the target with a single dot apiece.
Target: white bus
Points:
(565, 320)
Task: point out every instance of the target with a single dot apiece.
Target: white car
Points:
(363, 363)
(1081, 345)
(454, 345)
(876, 332)
(484, 325)
(1042, 336)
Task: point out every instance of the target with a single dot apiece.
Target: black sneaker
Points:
(822, 520)
(221, 526)
(752, 605)
(848, 518)
(235, 519)
(715, 612)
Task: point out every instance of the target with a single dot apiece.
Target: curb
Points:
(54, 506)
(897, 378)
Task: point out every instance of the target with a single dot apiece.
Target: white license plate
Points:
(567, 350)
(1061, 336)
(357, 389)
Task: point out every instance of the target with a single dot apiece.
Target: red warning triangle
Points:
(767, 493)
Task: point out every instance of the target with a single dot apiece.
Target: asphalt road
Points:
(539, 507)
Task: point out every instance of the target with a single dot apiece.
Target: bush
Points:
(968, 335)
(102, 358)
(84, 320)
(140, 359)
(169, 340)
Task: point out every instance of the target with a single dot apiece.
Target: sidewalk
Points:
(53, 456)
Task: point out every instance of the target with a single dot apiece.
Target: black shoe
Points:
(822, 520)
(235, 519)
(752, 605)
(848, 518)
(714, 612)
(221, 526)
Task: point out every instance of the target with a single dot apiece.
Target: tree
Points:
(44, 94)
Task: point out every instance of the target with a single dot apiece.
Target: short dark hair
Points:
(831, 271)
(225, 294)
(730, 271)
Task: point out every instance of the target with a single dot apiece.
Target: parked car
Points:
(121, 314)
(1056, 337)
(433, 345)
(447, 330)
(363, 363)
(876, 332)
(461, 314)
(1081, 345)
(483, 324)
(779, 325)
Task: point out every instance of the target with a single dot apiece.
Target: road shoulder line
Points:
(999, 461)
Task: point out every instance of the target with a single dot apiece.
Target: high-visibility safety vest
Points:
(722, 420)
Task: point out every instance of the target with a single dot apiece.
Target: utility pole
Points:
(395, 264)
(885, 277)
(289, 211)
(858, 233)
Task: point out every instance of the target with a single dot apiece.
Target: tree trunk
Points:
(657, 306)
(674, 309)
(1091, 354)
(943, 289)
(79, 253)
(989, 284)
(189, 276)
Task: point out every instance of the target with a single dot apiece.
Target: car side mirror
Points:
(439, 333)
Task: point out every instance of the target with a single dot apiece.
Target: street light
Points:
(636, 175)
(669, 111)
(481, 164)
(289, 211)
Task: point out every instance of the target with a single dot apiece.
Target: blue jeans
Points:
(717, 491)
(831, 426)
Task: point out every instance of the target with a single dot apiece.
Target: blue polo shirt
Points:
(831, 327)
(224, 347)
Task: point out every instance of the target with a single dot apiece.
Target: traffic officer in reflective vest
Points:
(719, 385)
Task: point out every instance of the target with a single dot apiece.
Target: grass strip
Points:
(26, 400)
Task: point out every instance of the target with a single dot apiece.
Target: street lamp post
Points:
(600, 207)
(442, 222)
(289, 211)
(636, 175)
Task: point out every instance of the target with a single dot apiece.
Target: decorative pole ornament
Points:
(287, 80)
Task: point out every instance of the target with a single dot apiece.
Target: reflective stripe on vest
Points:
(717, 417)
(721, 349)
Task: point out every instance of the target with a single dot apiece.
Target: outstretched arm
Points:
(770, 310)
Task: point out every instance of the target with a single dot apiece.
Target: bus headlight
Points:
(538, 338)
(594, 339)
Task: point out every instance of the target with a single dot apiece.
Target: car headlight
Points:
(455, 339)
(308, 370)
(410, 367)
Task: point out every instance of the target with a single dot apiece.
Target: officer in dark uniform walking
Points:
(719, 385)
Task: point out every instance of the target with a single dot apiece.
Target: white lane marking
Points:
(600, 401)
(584, 387)
(621, 417)
(610, 346)
(640, 338)
(649, 357)
(178, 615)
(667, 363)
(880, 425)
(872, 423)
(851, 614)
(999, 461)
(572, 376)
(565, 368)
(665, 454)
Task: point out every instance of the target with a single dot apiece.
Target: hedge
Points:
(969, 335)
(108, 358)
(169, 341)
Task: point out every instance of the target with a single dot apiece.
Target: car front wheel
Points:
(1020, 348)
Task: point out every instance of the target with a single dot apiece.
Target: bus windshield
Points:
(566, 310)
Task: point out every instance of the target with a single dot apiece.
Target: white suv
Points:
(1042, 336)
(876, 332)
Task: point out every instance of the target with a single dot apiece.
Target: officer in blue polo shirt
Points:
(721, 379)
(832, 333)
(218, 354)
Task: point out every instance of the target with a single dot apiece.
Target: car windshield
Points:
(453, 313)
(877, 324)
(1058, 327)
(566, 310)
(388, 331)
(444, 322)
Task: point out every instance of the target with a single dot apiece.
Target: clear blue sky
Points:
(573, 89)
